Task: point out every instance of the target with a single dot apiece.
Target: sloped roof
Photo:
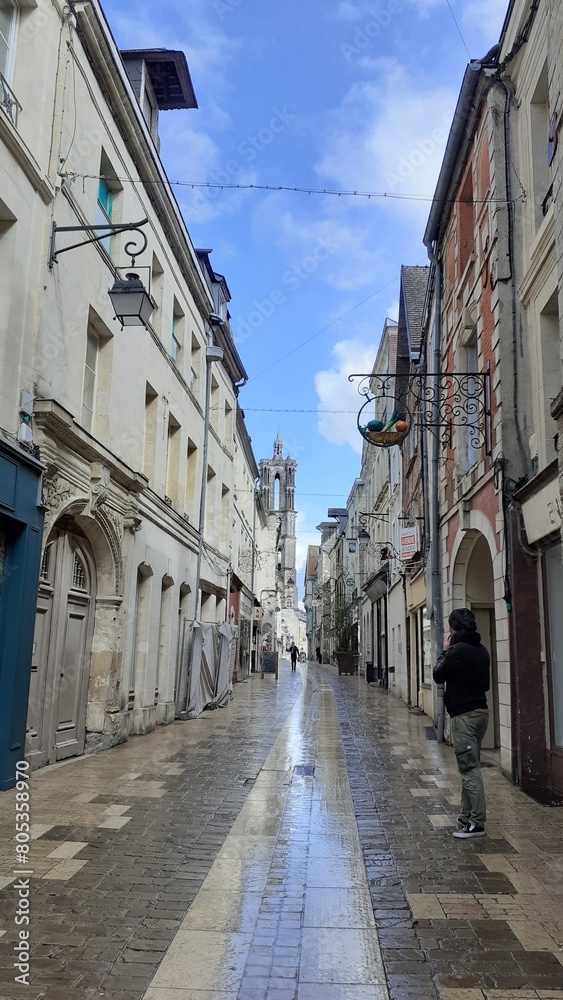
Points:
(169, 75)
(414, 281)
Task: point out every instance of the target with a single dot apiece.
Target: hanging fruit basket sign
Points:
(384, 422)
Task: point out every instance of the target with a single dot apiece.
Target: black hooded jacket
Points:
(464, 668)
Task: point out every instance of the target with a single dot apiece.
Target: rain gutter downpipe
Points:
(435, 565)
(212, 354)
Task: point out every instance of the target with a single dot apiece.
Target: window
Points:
(470, 453)
(8, 21)
(177, 334)
(225, 496)
(78, 574)
(172, 458)
(214, 404)
(96, 386)
(149, 438)
(210, 514)
(89, 384)
(108, 189)
(539, 128)
(157, 283)
(196, 364)
(228, 424)
(140, 632)
(425, 647)
(104, 209)
(550, 375)
(164, 644)
(466, 224)
(191, 481)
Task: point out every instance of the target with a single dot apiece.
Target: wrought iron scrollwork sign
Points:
(443, 401)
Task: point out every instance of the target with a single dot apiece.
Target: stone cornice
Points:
(55, 420)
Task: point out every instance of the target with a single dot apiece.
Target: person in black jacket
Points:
(464, 667)
(293, 652)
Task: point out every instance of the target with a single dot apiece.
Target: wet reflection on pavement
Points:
(285, 910)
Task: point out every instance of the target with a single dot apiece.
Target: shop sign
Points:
(409, 542)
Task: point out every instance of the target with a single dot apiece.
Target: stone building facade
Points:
(117, 416)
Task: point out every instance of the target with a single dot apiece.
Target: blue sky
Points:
(326, 95)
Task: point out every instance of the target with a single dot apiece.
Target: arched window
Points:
(277, 493)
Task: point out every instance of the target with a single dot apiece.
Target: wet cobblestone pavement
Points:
(296, 844)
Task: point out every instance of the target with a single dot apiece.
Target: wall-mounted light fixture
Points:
(131, 302)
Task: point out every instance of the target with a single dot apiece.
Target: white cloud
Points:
(335, 392)
(350, 11)
(191, 154)
(334, 249)
(305, 536)
(192, 28)
(487, 15)
(389, 135)
(393, 310)
(425, 6)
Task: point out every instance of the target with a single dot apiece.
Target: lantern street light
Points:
(131, 302)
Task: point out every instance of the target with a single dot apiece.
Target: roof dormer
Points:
(161, 81)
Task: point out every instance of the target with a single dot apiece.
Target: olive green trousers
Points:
(467, 732)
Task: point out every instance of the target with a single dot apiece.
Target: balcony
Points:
(9, 102)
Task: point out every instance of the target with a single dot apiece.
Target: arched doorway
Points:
(62, 647)
(480, 597)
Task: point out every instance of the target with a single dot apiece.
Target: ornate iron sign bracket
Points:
(445, 400)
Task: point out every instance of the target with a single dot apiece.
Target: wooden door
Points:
(62, 647)
(486, 627)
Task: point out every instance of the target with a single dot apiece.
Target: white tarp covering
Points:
(210, 682)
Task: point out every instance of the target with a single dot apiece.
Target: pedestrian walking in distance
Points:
(319, 656)
(464, 668)
(293, 652)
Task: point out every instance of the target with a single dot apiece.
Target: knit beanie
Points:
(462, 618)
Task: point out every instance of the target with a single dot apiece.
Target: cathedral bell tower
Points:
(277, 483)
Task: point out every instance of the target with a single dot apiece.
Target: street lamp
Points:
(131, 302)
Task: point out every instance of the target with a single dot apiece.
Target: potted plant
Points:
(345, 638)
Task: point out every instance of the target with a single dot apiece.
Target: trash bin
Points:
(370, 672)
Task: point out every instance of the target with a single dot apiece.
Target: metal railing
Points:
(9, 102)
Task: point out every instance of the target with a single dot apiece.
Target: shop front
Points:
(541, 691)
(21, 529)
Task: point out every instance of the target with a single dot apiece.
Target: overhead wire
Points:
(212, 185)
(458, 28)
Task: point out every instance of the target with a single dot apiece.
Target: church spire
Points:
(278, 446)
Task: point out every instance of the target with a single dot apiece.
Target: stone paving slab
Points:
(455, 920)
(471, 920)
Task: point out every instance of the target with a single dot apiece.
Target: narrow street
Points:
(296, 844)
